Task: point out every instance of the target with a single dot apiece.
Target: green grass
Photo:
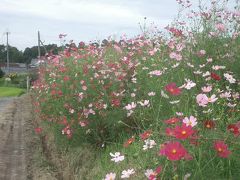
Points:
(11, 91)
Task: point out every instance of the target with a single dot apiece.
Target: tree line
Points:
(18, 56)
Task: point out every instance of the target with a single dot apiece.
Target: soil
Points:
(18, 142)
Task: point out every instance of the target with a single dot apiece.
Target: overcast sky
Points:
(81, 20)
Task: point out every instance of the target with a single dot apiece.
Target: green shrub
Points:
(1, 73)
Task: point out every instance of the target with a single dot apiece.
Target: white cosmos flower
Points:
(206, 74)
(175, 65)
(117, 157)
(218, 67)
(174, 102)
(151, 93)
(229, 78)
(127, 173)
(144, 103)
(163, 94)
(231, 105)
(189, 84)
(149, 144)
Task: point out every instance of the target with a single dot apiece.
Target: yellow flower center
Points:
(208, 126)
(220, 149)
(174, 151)
(184, 132)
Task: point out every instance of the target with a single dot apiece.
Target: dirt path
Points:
(14, 113)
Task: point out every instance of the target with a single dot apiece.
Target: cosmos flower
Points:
(191, 121)
(207, 89)
(220, 27)
(173, 150)
(146, 134)
(149, 144)
(173, 89)
(215, 76)
(116, 157)
(131, 106)
(202, 100)
(209, 124)
(127, 173)
(129, 141)
(183, 132)
(222, 149)
(234, 129)
(189, 84)
(212, 99)
(229, 78)
(172, 120)
(38, 130)
(110, 176)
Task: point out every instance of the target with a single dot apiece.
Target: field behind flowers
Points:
(158, 106)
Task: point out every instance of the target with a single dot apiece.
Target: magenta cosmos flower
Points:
(222, 149)
(173, 150)
(173, 89)
(183, 132)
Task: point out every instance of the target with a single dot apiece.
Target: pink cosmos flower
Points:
(201, 53)
(191, 121)
(169, 132)
(172, 120)
(207, 89)
(131, 106)
(152, 52)
(220, 27)
(117, 48)
(156, 73)
(176, 56)
(110, 176)
(202, 100)
(38, 130)
(212, 99)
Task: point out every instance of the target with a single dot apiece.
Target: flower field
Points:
(163, 105)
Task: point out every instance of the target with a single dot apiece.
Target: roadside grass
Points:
(11, 91)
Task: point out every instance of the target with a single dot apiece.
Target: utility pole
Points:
(8, 70)
(39, 50)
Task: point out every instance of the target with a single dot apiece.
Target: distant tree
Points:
(2, 53)
(32, 53)
(15, 56)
